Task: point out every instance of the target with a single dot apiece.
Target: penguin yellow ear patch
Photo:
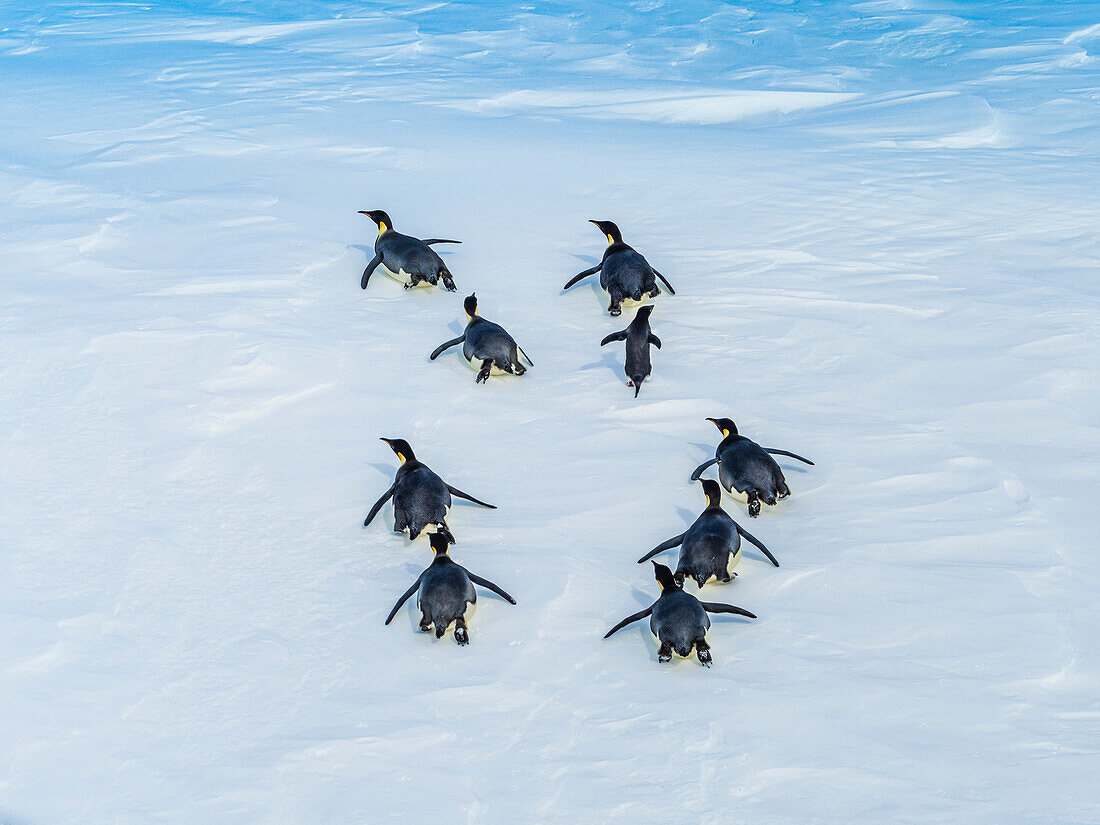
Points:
(725, 432)
(401, 457)
(382, 227)
(610, 240)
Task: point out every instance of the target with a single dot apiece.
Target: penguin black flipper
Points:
(456, 492)
(757, 542)
(373, 265)
(447, 345)
(525, 355)
(675, 541)
(664, 281)
(699, 470)
(718, 607)
(615, 336)
(378, 505)
(641, 614)
(653, 339)
(430, 241)
(791, 455)
(404, 598)
(488, 584)
(584, 274)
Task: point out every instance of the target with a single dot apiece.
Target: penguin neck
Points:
(730, 439)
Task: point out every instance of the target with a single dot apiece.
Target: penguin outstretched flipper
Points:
(615, 336)
(664, 281)
(456, 492)
(675, 541)
(430, 241)
(581, 275)
(702, 467)
(446, 345)
(489, 585)
(373, 265)
(750, 537)
(404, 598)
(653, 339)
(791, 455)
(718, 607)
(378, 505)
(525, 355)
(641, 614)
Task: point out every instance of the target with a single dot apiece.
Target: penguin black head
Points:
(401, 447)
(664, 578)
(470, 305)
(727, 427)
(644, 311)
(713, 492)
(380, 218)
(439, 543)
(610, 230)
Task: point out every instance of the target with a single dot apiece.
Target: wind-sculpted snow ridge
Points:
(881, 220)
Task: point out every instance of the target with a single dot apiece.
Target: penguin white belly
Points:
(402, 277)
(733, 561)
(475, 365)
(630, 302)
(736, 496)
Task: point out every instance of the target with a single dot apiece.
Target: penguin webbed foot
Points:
(664, 653)
(448, 282)
(462, 637)
(425, 624)
(754, 505)
(702, 650)
(483, 373)
(614, 310)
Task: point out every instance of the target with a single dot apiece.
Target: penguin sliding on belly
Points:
(638, 337)
(678, 620)
(445, 593)
(624, 274)
(487, 347)
(404, 258)
(421, 499)
(745, 466)
(711, 548)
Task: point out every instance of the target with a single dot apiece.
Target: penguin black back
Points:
(624, 273)
(405, 258)
(638, 337)
(748, 468)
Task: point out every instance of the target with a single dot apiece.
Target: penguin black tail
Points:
(637, 379)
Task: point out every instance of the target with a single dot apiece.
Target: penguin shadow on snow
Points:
(609, 361)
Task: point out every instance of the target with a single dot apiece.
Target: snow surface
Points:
(882, 220)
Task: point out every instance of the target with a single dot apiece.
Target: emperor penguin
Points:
(678, 620)
(421, 499)
(404, 258)
(638, 337)
(486, 346)
(748, 468)
(445, 593)
(711, 548)
(625, 275)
